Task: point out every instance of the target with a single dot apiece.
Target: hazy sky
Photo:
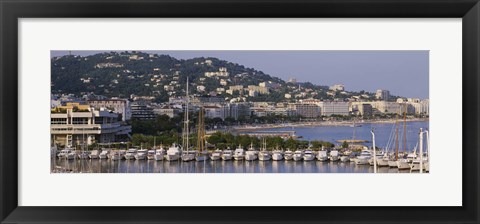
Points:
(404, 73)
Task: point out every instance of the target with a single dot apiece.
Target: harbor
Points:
(357, 158)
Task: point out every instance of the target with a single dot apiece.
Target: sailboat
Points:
(187, 155)
(402, 164)
(264, 155)
(202, 151)
(392, 163)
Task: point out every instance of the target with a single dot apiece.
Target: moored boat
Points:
(227, 154)
(298, 155)
(216, 155)
(173, 153)
(239, 153)
(288, 155)
(130, 154)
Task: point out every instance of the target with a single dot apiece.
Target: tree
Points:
(344, 144)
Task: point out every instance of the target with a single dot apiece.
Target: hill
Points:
(121, 74)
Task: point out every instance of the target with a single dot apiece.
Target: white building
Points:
(216, 111)
(76, 124)
(329, 108)
(337, 87)
(120, 106)
(222, 72)
(382, 94)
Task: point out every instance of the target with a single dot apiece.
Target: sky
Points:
(403, 73)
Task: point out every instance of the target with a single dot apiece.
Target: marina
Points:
(357, 158)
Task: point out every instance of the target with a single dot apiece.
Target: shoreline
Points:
(242, 129)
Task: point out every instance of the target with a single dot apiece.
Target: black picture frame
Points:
(11, 11)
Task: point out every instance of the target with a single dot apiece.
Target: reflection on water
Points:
(151, 166)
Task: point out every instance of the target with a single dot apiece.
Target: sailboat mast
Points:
(405, 128)
(201, 131)
(186, 121)
(396, 139)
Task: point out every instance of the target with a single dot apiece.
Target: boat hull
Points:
(403, 165)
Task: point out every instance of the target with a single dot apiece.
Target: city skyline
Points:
(357, 70)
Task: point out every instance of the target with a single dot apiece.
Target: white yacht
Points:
(322, 155)
(251, 154)
(94, 154)
(239, 153)
(173, 153)
(103, 154)
(227, 154)
(264, 156)
(63, 153)
(116, 155)
(403, 164)
(309, 155)
(344, 158)
(383, 161)
(216, 155)
(288, 155)
(392, 163)
(130, 154)
(415, 165)
(363, 158)
(334, 156)
(159, 154)
(298, 155)
(151, 154)
(277, 155)
(141, 154)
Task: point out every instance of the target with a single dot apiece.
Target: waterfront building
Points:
(388, 107)
(142, 112)
(420, 107)
(307, 110)
(77, 124)
(329, 108)
(120, 106)
(382, 95)
(362, 108)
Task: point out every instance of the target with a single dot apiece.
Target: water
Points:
(383, 131)
(219, 166)
(325, 133)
